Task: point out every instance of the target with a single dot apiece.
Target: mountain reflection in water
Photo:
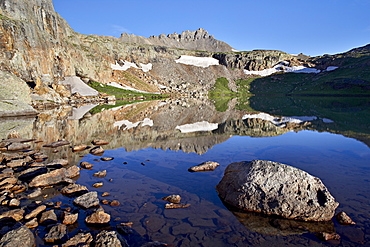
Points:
(158, 154)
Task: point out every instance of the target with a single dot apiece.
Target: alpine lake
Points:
(153, 143)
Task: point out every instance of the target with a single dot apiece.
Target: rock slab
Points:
(87, 200)
(18, 236)
(204, 167)
(276, 189)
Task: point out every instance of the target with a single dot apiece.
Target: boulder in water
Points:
(276, 189)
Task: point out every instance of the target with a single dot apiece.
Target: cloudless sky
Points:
(313, 27)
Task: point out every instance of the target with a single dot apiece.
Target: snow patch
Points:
(203, 62)
(78, 113)
(327, 120)
(282, 121)
(78, 86)
(282, 67)
(198, 126)
(126, 65)
(146, 67)
(330, 68)
(130, 125)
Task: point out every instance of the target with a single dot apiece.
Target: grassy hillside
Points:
(351, 78)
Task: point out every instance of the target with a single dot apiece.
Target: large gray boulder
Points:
(276, 189)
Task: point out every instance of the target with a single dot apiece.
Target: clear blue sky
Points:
(313, 27)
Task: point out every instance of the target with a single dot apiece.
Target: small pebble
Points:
(98, 185)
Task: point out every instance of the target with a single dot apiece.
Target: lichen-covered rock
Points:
(98, 150)
(56, 233)
(16, 214)
(73, 189)
(100, 174)
(172, 198)
(99, 142)
(14, 96)
(18, 235)
(69, 218)
(110, 239)
(274, 188)
(205, 166)
(87, 200)
(48, 217)
(344, 219)
(79, 240)
(86, 165)
(98, 217)
(35, 212)
(55, 177)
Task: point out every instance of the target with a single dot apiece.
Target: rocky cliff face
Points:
(199, 40)
(253, 60)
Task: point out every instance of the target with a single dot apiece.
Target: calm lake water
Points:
(151, 158)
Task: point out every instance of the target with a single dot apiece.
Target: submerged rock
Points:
(115, 203)
(205, 166)
(172, 198)
(124, 229)
(344, 219)
(173, 205)
(325, 236)
(80, 239)
(274, 188)
(110, 239)
(100, 174)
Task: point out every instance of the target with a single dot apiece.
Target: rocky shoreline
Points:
(27, 217)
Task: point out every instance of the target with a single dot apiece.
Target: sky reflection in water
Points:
(342, 163)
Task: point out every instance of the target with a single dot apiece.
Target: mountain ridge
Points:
(199, 40)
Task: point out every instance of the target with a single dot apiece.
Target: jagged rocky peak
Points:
(191, 40)
(186, 35)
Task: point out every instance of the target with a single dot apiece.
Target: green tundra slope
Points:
(352, 77)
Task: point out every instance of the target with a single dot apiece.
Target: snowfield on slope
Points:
(126, 65)
(203, 62)
(198, 126)
(283, 67)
